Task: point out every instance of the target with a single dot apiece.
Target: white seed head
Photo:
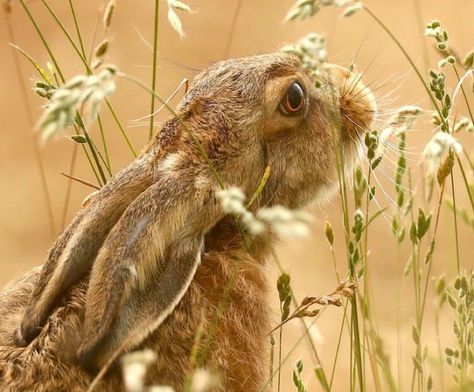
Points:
(179, 5)
(280, 220)
(341, 3)
(310, 50)
(51, 68)
(232, 200)
(75, 82)
(351, 10)
(409, 110)
(432, 32)
(160, 388)
(202, 381)
(406, 116)
(134, 367)
(255, 226)
(437, 147)
(80, 92)
(285, 222)
(173, 18)
(463, 123)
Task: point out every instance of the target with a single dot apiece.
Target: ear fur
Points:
(144, 310)
(75, 249)
(144, 267)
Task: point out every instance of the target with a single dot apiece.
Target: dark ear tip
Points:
(24, 335)
(86, 356)
(18, 338)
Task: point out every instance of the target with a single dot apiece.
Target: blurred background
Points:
(219, 30)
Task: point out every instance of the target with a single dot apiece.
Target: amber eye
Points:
(293, 100)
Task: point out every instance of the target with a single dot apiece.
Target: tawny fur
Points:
(146, 261)
(48, 364)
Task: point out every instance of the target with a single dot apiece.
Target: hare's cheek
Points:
(279, 126)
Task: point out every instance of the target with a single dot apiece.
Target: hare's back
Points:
(46, 364)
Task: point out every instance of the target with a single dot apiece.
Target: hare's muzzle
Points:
(357, 104)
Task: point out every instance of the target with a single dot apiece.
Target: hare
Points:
(145, 263)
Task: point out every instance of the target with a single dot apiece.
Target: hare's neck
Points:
(225, 237)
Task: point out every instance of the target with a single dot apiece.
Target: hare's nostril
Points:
(358, 110)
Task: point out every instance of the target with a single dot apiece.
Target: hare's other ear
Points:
(144, 267)
(75, 249)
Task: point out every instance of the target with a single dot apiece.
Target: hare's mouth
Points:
(357, 104)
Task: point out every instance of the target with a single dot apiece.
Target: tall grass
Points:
(407, 219)
(414, 224)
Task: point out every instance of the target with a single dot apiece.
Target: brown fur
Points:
(123, 274)
(48, 363)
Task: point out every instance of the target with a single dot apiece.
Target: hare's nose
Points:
(357, 104)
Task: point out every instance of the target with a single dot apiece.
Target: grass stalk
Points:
(272, 359)
(43, 40)
(303, 324)
(29, 116)
(455, 216)
(468, 159)
(366, 295)
(421, 33)
(440, 353)
(58, 69)
(399, 290)
(104, 145)
(356, 355)
(466, 182)
(89, 71)
(463, 92)
(407, 56)
(233, 25)
(93, 39)
(280, 341)
(338, 347)
(94, 170)
(76, 25)
(69, 186)
(287, 356)
(153, 76)
(428, 272)
(93, 150)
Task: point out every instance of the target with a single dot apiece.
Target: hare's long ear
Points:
(145, 266)
(74, 251)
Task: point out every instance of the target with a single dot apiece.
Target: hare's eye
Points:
(293, 101)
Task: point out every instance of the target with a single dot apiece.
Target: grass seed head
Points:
(102, 48)
(134, 368)
(109, 13)
(7, 6)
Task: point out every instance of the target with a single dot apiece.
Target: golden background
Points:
(25, 233)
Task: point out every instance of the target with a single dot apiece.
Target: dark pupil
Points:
(295, 95)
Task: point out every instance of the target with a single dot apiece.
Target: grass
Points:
(415, 223)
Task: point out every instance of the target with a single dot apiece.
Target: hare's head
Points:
(267, 109)
(140, 238)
